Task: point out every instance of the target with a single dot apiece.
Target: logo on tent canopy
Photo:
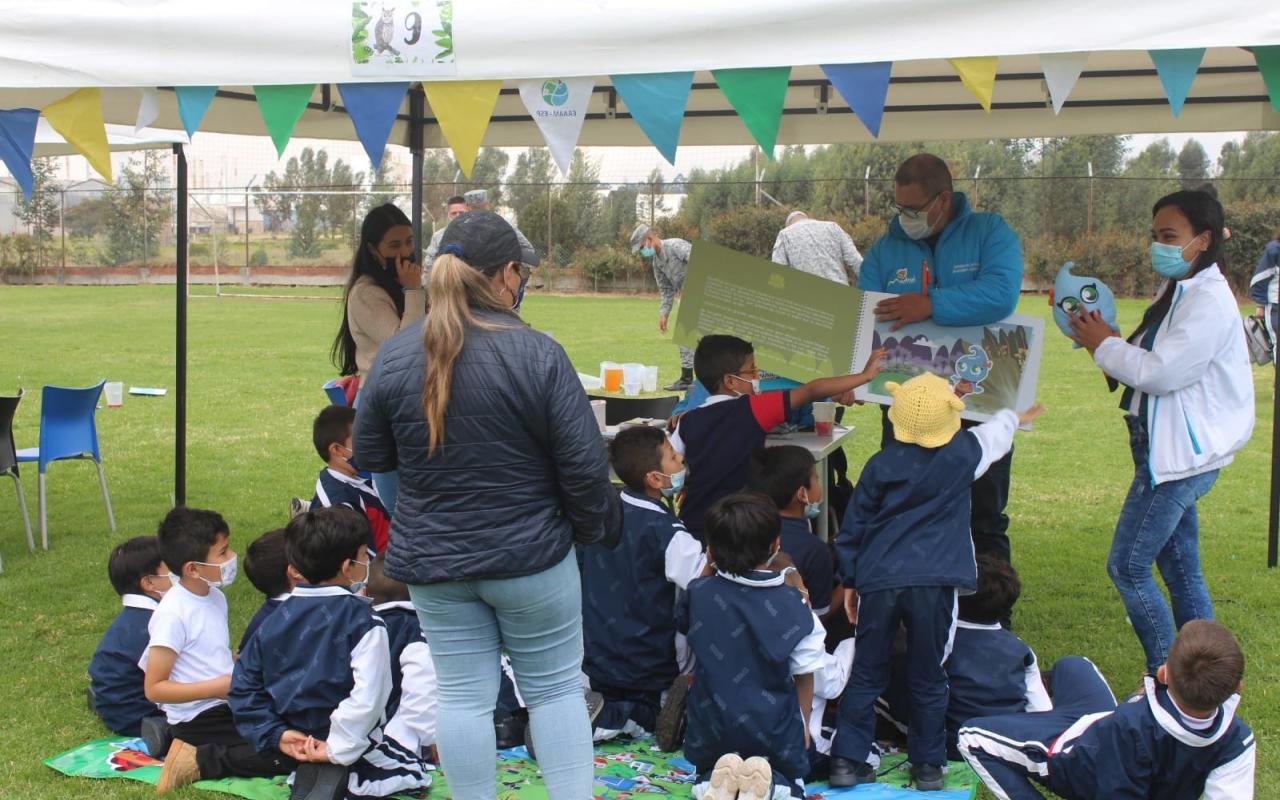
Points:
(555, 93)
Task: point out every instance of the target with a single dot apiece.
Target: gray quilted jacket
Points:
(522, 471)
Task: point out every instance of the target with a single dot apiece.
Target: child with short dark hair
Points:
(314, 681)
(906, 553)
(1178, 740)
(411, 706)
(188, 659)
(268, 570)
(718, 438)
(757, 646)
(788, 476)
(340, 483)
(139, 576)
(629, 592)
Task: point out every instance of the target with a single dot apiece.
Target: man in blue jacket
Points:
(973, 277)
(1263, 287)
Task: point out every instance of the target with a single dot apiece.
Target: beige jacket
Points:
(372, 317)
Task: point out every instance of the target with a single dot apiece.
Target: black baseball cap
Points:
(482, 239)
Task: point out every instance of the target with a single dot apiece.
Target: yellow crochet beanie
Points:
(925, 410)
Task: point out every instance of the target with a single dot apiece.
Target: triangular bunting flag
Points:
(1177, 70)
(17, 140)
(148, 109)
(78, 118)
(656, 102)
(373, 108)
(1268, 59)
(281, 108)
(1061, 71)
(193, 102)
(559, 107)
(864, 87)
(978, 74)
(757, 94)
(462, 109)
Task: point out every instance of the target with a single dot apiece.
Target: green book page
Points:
(802, 327)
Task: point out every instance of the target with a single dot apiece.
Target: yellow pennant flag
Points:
(978, 75)
(78, 117)
(463, 109)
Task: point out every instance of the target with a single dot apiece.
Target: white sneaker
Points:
(755, 779)
(724, 778)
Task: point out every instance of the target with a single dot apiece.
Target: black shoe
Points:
(670, 725)
(926, 777)
(91, 699)
(850, 773)
(679, 386)
(319, 782)
(510, 730)
(157, 735)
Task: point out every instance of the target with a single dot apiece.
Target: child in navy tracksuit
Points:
(140, 577)
(756, 646)
(629, 592)
(411, 706)
(905, 552)
(718, 437)
(314, 681)
(1177, 740)
(268, 570)
(788, 476)
(340, 483)
(990, 670)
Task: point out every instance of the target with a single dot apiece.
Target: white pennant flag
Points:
(1061, 71)
(148, 109)
(559, 106)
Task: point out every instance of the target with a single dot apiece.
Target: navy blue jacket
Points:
(403, 629)
(746, 634)
(301, 665)
(628, 599)
(990, 671)
(812, 560)
(268, 606)
(521, 473)
(1142, 750)
(114, 674)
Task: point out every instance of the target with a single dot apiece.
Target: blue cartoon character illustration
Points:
(971, 370)
(1072, 294)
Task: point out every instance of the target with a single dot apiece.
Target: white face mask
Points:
(227, 572)
(755, 384)
(917, 227)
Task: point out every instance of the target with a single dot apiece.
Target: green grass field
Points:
(256, 366)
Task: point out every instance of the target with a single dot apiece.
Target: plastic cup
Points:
(611, 376)
(632, 375)
(115, 394)
(597, 408)
(824, 418)
(650, 379)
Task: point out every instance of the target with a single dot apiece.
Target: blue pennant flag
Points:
(864, 87)
(656, 102)
(17, 139)
(193, 102)
(373, 108)
(1177, 69)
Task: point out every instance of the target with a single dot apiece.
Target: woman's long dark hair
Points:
(376, 224)
(1204, 212)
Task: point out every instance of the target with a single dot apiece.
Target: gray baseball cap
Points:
(637, 237)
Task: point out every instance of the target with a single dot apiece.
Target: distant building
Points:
(239, 219)
(10, 197)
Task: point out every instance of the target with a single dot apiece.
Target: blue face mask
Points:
(520, 293)
(677, 482)
(358, 586)
(812, 510)
(1167, 260)
(647, 252)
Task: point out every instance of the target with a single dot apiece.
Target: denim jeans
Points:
(1158, 524)
(538, 620)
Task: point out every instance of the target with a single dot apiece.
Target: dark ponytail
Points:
(376, 224)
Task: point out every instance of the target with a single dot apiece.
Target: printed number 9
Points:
(414, 23)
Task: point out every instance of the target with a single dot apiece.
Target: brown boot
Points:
(179, 769)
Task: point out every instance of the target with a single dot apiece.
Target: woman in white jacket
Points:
(1189, 406)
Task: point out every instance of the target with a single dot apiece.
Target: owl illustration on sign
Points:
(970, 371)
(1072, 294)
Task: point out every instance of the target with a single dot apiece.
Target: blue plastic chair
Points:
(336, 395)
(9, 457)
(67, 430)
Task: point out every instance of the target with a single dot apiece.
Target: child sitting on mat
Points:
(411, 706)
(268, 570)
(340, 483)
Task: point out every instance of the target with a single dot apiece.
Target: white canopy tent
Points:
(56, 46)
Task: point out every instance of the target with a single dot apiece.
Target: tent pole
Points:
(417, 113)
(180, 354)
(1273, 533)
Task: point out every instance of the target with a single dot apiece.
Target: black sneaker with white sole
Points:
(670, 725)
(926, 777)
(845, 772)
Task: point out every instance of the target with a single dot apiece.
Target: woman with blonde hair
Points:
(502, 469)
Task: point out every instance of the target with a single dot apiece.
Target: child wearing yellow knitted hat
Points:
(906, 554)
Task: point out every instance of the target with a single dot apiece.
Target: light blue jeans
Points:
(1158, 525)
(538, 619)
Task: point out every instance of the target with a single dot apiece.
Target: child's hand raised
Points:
(875, 362)
(1029, 416)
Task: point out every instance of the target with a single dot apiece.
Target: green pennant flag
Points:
(757, 94)
(281, 108)
(1268, 59)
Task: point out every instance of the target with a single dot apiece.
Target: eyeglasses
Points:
(914, 213)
